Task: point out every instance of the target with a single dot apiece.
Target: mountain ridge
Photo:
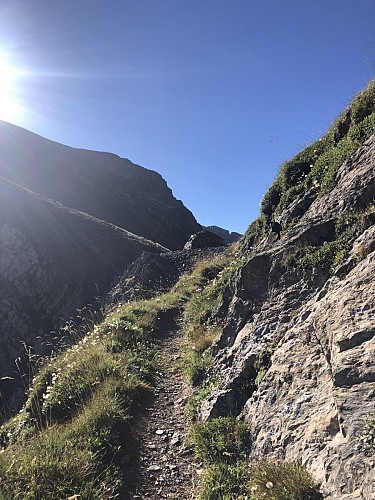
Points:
(100, 184)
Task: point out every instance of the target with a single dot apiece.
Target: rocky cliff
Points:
(296, 359)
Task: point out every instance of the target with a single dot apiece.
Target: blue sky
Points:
(213, 94)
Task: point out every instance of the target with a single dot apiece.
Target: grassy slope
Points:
(67, 439)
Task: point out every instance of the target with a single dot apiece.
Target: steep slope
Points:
(312, 339)
(103, 185)
(296, 355)
(75, 438)
(52, 260)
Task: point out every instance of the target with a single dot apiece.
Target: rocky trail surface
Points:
(165, 466)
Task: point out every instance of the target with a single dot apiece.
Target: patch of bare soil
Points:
(165, 465)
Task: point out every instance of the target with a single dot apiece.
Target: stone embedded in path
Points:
(165, 474)
(175, 439)
(154, 468)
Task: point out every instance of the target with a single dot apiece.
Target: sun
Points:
(9, 75)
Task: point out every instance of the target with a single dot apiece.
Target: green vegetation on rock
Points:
(224, 482)
(314, 169)
(201, 329)
(347, 227)
(222, 444)
(222, 439)
(70, 437)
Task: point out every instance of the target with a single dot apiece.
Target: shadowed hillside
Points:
(52, 261)
(100, 184)
(67, 218)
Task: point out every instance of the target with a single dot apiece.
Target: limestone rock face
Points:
(296, 358)
(314, 400)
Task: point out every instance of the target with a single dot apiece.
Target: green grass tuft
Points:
(367, 438)
(220, 440)
(282, 481)
(224, 482)
(196, 398)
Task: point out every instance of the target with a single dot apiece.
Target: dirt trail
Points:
(166, 467)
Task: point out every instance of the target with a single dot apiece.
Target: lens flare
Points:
(10, 108)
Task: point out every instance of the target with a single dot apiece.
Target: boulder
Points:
(204, 239)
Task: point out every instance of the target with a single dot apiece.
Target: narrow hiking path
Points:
(166, 467)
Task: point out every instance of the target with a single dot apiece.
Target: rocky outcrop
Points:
(204, 239)
(108, 187)
(320, 387)
(296, 357)
(153, 274)
(228, 237)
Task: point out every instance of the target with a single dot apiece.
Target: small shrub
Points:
(326, 167)
(271, 199)
(206, 298)
(367, 438)
(289, 258)
(348, 226)
(292, 194)
(224, 482)
(363, 104)
(253, 234)
(361, 250)
(326, 257)
(220, 440)
(282, 481)
(202, 337)
(362, 131)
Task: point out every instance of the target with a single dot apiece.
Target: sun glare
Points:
(9, 106)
